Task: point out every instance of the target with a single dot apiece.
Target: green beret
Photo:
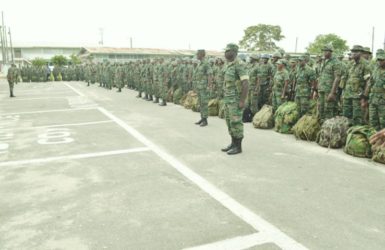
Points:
(282, 61)
(380, 56)
(357, 48)
(201, 51)
(232, 46)
(277, 54)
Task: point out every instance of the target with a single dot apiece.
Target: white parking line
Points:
(72, 157)
(41, 98)
(237, 243)
(59, 125)
(272, 233)
(48, 111)
(76, 91)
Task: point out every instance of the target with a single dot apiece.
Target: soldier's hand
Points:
(331, 97)
(364, 103)
(241, 104)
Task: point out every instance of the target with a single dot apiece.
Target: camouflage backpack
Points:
(357, 142)
(213, 107)
(264, 118)
(307, 128)
(378, 153)
(333, 132)
(195, 104)
(285, 117)
(177, 96)
(188, 103)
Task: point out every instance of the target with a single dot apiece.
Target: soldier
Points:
(280, 84)
(203, 79)
(254, 88)
(12, 76)
(305, 84)
(376, 95)
(234, 98)
(358, 74)
(292, 73)
(329, 79)
(264, 77)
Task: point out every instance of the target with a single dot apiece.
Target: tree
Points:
(59, 60)
(75, 59)
(38, 62)
(320, 41)
(261, 37)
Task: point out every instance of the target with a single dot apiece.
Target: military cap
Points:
(232, 46)
(328, 47)
(367, 50)
(254, 56)
(302, 58)
(357, 48)
(379, 51)
(293, 60)
(380, 56)
(277, 54)
(282, 61)
(201, 50)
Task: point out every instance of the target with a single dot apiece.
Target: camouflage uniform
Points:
(330, 71)
(254, 88)
(12, 77)
(265, 75)
(304, 81)
(279, 80)
(202, 74)
(357, 75)
(377, 97)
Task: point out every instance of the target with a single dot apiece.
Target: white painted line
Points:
(49, 111)
(76, 91)
(41, 98)
(274, 234)
(73, 157)
(237, 243)
(73, 124)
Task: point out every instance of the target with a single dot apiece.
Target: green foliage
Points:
(39, 62)
(59, 60)
(320, 41)
(75, 59)
(261, 37)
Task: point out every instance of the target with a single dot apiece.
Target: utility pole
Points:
(2, 45)
(373, 40)
(101, 30)
(296, 44)
(384, 43)
(10, 43)
(5, 59)
(131, 42)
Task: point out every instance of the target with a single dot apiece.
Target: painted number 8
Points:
(55, 136)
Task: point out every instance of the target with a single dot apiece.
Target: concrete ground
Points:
(88, 168)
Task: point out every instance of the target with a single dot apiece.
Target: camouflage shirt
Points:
(202, 73)
(234, 73)
(356, 78)
(279, 80)
(304, 77)
(377, 88)
(330, 70)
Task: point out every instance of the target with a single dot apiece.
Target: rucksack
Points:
(357, 142)
(333, 132)
(378, 152)
(177, 96)
(264, 118)
(285, 117)
(188, 102)
(213, 107)
(307, 128)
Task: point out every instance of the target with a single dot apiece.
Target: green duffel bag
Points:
(307, 128)
(378, 153)
(286, 117)
(333, 132)
(213, 107)
(177, 96)
(264, 118)
(357, 142)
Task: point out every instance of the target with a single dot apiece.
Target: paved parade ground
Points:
(88, 168)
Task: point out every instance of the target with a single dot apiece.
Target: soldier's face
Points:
(265, 60)
(327, 54)
(200, 55)
(230, 55)
(381, 63)
(356, 55)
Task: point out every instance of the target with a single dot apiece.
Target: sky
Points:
(189, 24)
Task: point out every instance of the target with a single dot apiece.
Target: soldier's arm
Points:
(336, 82)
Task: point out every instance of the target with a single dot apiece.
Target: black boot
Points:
(11, 93)
(119, 90)
(199, 122)
(204, 122)
(145, 97)
(163, 103)
(150, 98)
(230, 146)
(156, 100)
(237, 149)
(139, 95)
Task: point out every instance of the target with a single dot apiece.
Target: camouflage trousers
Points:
(326, 109)
(252, 99)
(264, 95)
(351, 109)
(233, 117)
(377, 114)
(303, 104)
(203, 99)
(276, 100)
(11, 85)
